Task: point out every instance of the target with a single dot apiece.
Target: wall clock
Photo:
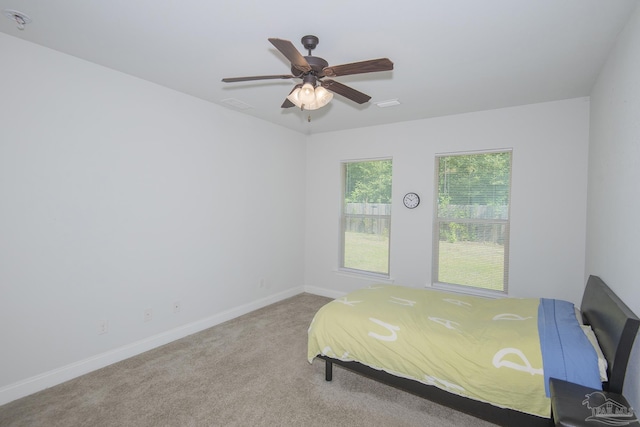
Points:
(411, 200)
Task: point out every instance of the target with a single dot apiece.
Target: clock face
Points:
(411, 200)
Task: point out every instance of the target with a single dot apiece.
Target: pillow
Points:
(602, 362)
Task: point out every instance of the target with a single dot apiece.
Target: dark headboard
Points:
(615, 326)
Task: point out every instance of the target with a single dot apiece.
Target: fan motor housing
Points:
(316, 63)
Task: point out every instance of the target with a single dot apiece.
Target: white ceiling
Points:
(450, 56)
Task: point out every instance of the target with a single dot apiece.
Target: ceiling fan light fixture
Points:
(318, 99)
(307, 94)
(295, 98)
(323, 96)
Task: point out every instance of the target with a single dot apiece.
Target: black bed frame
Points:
(614, 324)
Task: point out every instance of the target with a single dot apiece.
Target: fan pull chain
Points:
(309, 118)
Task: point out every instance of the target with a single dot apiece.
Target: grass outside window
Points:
(367, 252)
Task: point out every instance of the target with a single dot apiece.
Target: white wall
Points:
(117, 195)
(549, 187)
(613, 232)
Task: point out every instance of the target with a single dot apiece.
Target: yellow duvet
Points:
(484, 349)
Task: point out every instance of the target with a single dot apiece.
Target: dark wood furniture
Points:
(614, 324)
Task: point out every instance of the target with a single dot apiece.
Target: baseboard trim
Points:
(324, 292)
(57, 376)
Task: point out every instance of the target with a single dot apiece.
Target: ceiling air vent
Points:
(234, 103)
(388, 103)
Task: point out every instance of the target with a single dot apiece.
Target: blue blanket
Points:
(567, 354)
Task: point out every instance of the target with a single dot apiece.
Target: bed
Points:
(481, 356)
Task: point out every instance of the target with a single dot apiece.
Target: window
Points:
(471, 236)
(366, 216)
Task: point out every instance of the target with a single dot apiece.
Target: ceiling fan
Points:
(316, 91)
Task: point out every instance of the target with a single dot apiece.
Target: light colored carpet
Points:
(250, 371)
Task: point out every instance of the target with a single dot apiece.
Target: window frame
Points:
(343, 220)
(459, 288)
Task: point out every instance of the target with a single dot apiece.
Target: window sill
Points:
(358, 274)
(467, 290)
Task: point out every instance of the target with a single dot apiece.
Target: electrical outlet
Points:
(176, 307)
(263, 283)
(148, 315)
(103, 327)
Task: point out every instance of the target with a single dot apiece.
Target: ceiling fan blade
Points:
(287, 103)
(345, 91)
(370, 66)
(291, 53)
(246, 79)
